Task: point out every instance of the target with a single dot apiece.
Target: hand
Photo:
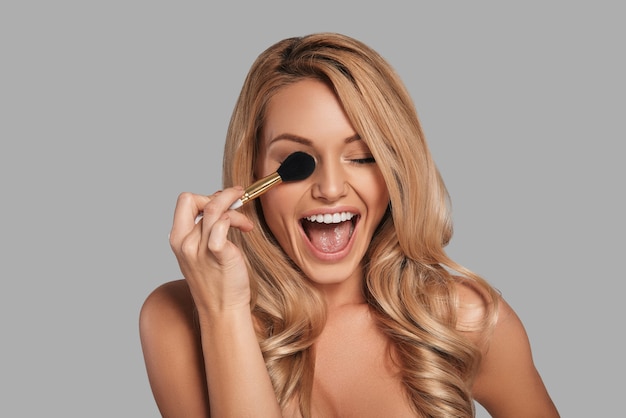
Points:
(214, 267)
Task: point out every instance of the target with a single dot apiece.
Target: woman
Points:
(331, 296)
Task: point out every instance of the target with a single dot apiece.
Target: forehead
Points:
(309, 109)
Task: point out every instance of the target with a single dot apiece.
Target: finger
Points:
(218, 244)
(200, 214)
(240, 221)
(218, 204)
(215, 209)
(218, 235)
(187, 208)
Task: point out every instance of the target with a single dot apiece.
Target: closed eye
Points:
(369, 160)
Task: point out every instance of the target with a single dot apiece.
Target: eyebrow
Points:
(304, 141)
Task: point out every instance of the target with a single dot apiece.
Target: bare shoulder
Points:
(167, 305)
(166, 322)
(474, 304)
(508, 383)
(172, 351)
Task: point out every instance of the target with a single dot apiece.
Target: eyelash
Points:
(369, 160)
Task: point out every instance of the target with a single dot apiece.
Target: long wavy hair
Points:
(410, 282)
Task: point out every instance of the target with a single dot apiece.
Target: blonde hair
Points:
(408, 280)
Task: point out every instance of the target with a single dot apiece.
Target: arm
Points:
(235, 378)
(508, 384)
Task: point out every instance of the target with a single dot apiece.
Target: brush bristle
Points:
(297, 166)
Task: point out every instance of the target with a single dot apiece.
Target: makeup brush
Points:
(297, 166)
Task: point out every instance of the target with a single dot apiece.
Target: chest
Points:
(355, 375)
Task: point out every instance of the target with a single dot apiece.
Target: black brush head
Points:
(297, 166)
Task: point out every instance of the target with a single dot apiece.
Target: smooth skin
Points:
(354, 376)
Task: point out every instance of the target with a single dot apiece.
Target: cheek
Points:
(375, 189)
(270, 210)
(277, 207)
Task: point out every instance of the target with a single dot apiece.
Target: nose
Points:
(330, 181)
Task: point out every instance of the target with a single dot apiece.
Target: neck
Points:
(346, 292)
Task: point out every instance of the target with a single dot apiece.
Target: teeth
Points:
(331, 218)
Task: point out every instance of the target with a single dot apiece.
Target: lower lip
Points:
(330, 257)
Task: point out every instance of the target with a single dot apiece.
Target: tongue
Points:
(329, 238)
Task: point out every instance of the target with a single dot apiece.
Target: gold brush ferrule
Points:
(260, 186)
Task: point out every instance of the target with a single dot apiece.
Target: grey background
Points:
(108, 110)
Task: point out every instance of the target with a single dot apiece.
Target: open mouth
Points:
(330, 232)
